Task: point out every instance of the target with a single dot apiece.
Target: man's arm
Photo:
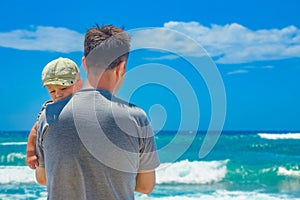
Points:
(31, 158)
(40, 175)
(145, 182)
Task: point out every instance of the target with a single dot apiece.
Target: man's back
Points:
(94, 146)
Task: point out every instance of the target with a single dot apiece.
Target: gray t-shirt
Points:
(92, 146)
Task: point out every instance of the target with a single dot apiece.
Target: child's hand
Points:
(32, 161)
(31, 158)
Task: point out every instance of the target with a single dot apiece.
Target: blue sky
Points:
(253, 45)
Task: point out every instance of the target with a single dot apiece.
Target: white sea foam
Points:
(276, 136)
(220, 194)
(13, 143)
(12, 157)
(192, 172)
(288, 172)
(16, 174)
(186, 172)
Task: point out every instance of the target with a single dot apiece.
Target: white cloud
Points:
(44, 39)
(166, 57)
(164, 39)
(267, 67)
(239, 71)
(228, 44)
(234, 43)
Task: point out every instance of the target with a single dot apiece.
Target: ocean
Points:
(242, 165)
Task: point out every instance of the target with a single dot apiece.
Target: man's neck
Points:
(99, 83)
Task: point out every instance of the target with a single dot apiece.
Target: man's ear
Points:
(121, 69)
(83, 60)
(79, 84)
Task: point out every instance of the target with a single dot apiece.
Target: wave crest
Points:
(13, 158)
(192, 172)
(288, 172)
(277, 136)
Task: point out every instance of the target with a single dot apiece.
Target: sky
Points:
(194, 65)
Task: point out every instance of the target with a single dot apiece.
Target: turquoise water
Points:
(242, 165)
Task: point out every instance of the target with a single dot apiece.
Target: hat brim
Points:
(60, 82)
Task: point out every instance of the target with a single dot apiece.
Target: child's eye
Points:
(52, 91)
(63, 88)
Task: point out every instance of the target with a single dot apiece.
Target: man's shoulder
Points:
(53, 110)
(119, 106)
(136, 110)
(131, 108)
(138, 114)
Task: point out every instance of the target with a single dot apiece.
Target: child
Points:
(62, 78)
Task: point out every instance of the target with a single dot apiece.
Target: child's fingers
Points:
(32, 162)
(32, 166)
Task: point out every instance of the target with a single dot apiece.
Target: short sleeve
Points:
(148, 153)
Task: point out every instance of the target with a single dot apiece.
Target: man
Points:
(94, 145)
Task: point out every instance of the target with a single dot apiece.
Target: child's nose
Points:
(58, 94)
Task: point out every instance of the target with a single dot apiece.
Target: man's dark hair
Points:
(106, 46)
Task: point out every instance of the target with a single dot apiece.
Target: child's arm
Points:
(31, 158)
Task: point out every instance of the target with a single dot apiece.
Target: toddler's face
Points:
(58, 92)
